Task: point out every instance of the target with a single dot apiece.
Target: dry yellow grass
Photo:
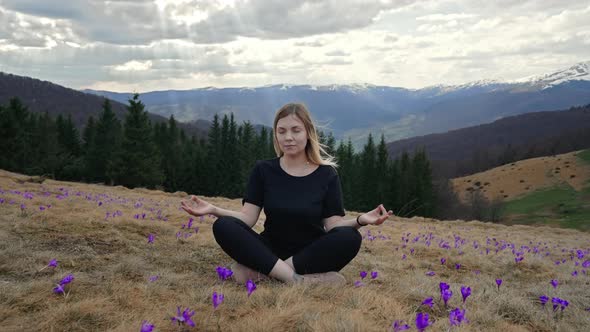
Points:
(526, 176)
(112, 261)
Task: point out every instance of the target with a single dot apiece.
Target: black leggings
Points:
(330, 252)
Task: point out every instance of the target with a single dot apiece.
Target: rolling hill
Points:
(472, 149)
(43, 96)
(551, 190)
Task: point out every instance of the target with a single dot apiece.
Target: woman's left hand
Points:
(376, 216)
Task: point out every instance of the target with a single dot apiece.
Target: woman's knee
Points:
(350, 233)
(349, 237)
(223, 224)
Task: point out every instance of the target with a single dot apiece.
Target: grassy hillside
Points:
(100, 235)
(548, 190)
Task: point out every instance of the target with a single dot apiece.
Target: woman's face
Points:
(291, 135)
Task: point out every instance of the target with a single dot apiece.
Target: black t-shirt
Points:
(294, 206)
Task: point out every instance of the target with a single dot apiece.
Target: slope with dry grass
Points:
(520, 178)
(100, 235)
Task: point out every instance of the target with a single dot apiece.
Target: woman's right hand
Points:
(197, 207)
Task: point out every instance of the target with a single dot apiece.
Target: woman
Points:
(305, 237)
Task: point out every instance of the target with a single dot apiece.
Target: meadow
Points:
(80, 257)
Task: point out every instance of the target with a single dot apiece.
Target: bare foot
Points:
(243, 273)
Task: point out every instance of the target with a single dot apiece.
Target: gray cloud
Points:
(337, 53)
(313, 43)
(268, 19)
(117, 22)
(126, 42)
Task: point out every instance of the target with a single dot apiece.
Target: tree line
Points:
(137, 153)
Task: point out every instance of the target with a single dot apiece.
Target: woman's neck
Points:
(296, 161)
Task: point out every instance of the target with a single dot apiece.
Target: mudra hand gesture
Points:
(197, 207)
(375, 217)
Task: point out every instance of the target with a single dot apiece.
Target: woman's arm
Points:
(249, 213)
(199, 207)
(373, 217)
(338, 221)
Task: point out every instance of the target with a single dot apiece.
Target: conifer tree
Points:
(247, 151)
(70, 149)
(368, 175)
(382, 189)
(423, 188)
(232, 162)
(139, 162)
(16, 132)
(47, 148)
(171, 156)
(89, 137)
(102, 156)
(212, 159)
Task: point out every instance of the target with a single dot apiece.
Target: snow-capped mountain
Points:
(354, 110)
(577, 72)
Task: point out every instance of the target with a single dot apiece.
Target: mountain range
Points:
(353, 111)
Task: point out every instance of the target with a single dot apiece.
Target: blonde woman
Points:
(305, 237)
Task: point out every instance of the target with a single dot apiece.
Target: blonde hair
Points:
(315, 151)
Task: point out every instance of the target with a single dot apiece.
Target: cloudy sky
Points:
(145, 45)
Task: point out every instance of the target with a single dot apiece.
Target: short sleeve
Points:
(255, 187)
(333, 200)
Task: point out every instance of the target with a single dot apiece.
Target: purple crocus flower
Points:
(153, 278)
(151, 238)
(422, 321)
(358, 283)
(52, 263)
(443, 286)
(363, 274)
(446, 295)
(430, 273)
(59, 289)
(374, 275)
(398, 326)
(554, 283)
(465, 292)
(443, 261)
(250, 286)
(146, 326)
(457, 316)
(67, 279)
(224, 273)
(499, 283)
(543, 299)
(428, 302)
(559, 302)
(217, 299)
(184, 317)
(457, 266)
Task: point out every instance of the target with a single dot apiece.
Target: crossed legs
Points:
(330, 252)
